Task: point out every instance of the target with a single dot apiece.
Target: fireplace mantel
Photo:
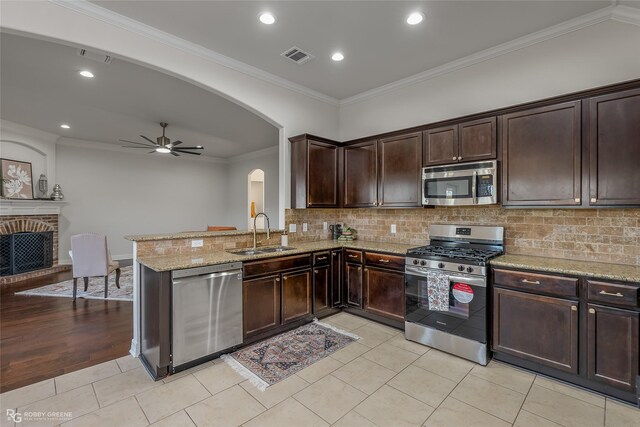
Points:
(16, 207)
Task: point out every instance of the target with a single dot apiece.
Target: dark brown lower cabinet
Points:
(296, 295)
(353, 284)
(261, 304)
(612, 346)
(537, 328)
(321, 288)
(384, 292)
(336, 278)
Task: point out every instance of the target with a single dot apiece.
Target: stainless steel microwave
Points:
(460, 184)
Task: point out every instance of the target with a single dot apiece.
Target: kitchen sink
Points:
(265, 250)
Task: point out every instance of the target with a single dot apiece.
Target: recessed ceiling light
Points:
(65, 126)
(337, 56)
(267, 18)
(415, 18)
(86, 73)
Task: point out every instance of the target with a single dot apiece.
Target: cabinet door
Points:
(536, 328)
(614, 149)
(322, 179)
(477, 140)
(612, 343)
(441, 145)
(361, 175)
(541, 162)
(353, 277)
(296, 295)
(384, 293)
(400, 171)
(321, 282)
(261, 304)
(336, 278)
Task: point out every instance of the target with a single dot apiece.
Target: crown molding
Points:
(253, 154)
(105, 15)
(620, 13)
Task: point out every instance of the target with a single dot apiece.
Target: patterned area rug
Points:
(94, 291)
(274, 359)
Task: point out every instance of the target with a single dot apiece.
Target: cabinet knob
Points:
(577, 199)
(574, 308)
(315, 271)
(277, 279)
(459, 158)
(383, 260)
(359, 268)
(592, 311)
(593, 200)
(454, 158)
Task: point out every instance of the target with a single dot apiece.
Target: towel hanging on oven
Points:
(438, 291)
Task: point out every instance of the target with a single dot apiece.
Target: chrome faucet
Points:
(255, 243)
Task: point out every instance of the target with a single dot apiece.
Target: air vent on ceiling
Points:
(297, 55)
(95, 56)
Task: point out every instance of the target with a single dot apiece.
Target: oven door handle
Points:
(469, 280)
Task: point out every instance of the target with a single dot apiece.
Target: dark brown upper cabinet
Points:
(464, 142)
(314, 173)
(400, 171)
(541, 160)
(614, 149)
(361, 175)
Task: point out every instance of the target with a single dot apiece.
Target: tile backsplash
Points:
(603, 235)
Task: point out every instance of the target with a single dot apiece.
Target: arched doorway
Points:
(255, 198)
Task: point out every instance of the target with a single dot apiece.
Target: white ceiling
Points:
(41, 88)
(378, 45)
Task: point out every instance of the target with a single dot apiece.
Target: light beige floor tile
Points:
(372, 336)
(347, 321)
(179, 419)
(423, 385)
(452, 412)
(391, 357)
(77, 402)
(506, 376)
(276, 393)
(562, 409)
(319, 370)
(390, 407)
(445, 365)
(401, 342)
(86, 376)
(364, 375)
(218, 377)
(350, 352)
(330, 398)
(231, 407)
(187, 372)
(121, 386)
(387, 329)
(163, 401)
(28, 394)
(527, 419)
(353, 419)
(128, 362)
(123, 413)
(492, 398)
(289, 413)
(621, 415)
(578, 393)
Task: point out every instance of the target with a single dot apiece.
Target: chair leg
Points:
(86, 283)
(75, 288)
(106, 284)
(118, 278)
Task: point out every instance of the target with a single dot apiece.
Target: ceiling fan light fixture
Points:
(163, 150)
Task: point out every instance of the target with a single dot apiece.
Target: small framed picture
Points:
(17, 182)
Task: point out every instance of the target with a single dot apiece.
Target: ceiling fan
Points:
(163, 145)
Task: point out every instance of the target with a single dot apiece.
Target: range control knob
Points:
(469, 269)
(461, 268)
(415, 262)
(423, 263)
(441, 265)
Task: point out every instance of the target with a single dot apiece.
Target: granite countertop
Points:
(600, 270)
(181, 261)
(193, 235)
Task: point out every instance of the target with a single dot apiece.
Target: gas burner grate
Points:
(457, 253)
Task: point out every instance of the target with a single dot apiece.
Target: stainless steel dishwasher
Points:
(206, 312)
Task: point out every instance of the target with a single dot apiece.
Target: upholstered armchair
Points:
(91, 258)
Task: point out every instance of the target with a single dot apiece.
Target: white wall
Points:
(118, 193)
(601, 54)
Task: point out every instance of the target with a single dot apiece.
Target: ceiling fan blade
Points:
(142, 136)
(190, 148)
(175, 154)
(138, 143)
(173, 144)
(128, 146)
(151, 152)
(187, 152)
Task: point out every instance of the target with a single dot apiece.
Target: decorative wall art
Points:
(17, 181)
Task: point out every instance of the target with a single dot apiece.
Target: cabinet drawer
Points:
(613, 293)
(321, 258)
(260, 267)
(385, 261)
(537, 283)
(353, 256)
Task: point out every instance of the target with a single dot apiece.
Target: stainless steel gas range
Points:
(459, 255)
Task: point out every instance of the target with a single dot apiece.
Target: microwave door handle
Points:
(473, 187)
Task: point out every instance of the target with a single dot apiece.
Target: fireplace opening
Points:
(24, 252)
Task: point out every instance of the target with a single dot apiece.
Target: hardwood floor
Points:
(43, 337)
